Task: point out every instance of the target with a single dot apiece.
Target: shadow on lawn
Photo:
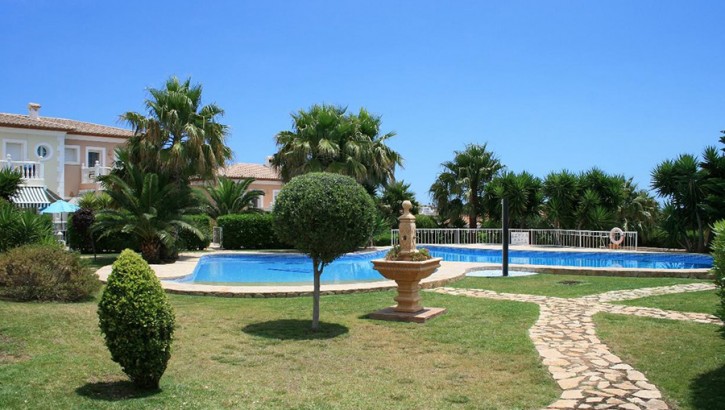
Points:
(289, 329)
(114, 391)
(707, 392)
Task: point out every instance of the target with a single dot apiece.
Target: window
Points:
(257, 202)
(16, 150)
(72, 155)
(43, 151)
(274, 196)
(94, 154)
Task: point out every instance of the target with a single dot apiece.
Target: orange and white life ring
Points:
(613, 236)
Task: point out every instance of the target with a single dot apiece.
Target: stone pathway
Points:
(590, 376)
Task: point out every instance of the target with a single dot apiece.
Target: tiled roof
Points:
(62, 124)
(257, 171)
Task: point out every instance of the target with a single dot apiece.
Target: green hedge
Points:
(189, 241)
(425, 222)
(248, 231)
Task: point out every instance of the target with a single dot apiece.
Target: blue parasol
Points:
(60, 207)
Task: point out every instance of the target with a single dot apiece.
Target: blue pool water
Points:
(294, 269)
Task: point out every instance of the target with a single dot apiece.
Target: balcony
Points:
(31, 171)
(89, 175)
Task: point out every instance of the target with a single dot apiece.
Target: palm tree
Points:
(391, 201)
(230, 197)
(10, 181)
(178, 136)
(148, 206)
(561, 193)
(682, 181)
(525, 198)
(461, 185)
(327, 139)
(639, 211)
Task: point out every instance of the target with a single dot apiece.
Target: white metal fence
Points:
(535, 237)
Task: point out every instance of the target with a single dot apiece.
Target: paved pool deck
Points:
(448, 272)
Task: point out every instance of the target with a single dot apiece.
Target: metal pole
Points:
(505, 218)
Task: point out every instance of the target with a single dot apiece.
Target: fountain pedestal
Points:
(407, 273)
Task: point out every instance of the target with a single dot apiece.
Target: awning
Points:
(31, 197)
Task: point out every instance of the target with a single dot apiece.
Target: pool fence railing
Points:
(565, 238)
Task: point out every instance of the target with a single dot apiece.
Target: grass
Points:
(567, 286)
(259, 353)
(685, 360)
(100, 260)
(702, 302)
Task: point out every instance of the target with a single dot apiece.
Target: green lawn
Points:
(100, 260)
(702, 302)
(567, 286)
(258, 353)
(685, 360)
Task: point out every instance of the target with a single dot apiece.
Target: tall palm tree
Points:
(148, 206)
(230, 197)
(326, 138)
(682, 181)
(178, 136)
(463, 181)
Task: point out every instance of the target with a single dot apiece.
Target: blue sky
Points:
(621, 85)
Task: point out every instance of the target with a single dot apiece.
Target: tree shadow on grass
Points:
(707, 392)
(289, 329)
(114, 391)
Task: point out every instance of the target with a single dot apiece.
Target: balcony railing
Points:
(89, 175)
(31, 171)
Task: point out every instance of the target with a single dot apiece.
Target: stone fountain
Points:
(407, 270)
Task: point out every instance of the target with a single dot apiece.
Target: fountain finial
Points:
(406, 227)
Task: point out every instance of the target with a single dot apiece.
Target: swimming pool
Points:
(631, 260)
(296, 269)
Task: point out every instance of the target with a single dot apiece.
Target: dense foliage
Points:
(179, 136)
(137, 320)
(249, 231)
(459, 188)
(525, 198)
(695, 196)
(718, 266)
(18, 227)
(230, 197)
(324, 216)
(45, 272)
(150, 207)
(10, 181)
(326, 138)
(191, 242)
(390, 202)
(81, 238)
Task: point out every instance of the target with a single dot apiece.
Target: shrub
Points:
(19, 227)
(425, 222)
(46, 272)
(10, 181)
(80, 239)
(136, 320)
(249, 231)
(718, 266)
(189, 241)
(323, 215)
(383, 239)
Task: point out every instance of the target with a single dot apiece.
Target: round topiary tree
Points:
(325, 216)
(137, 320)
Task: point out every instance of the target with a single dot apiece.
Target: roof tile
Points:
(62, 124)
(244, 170)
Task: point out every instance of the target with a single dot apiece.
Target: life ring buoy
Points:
(613, 235)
